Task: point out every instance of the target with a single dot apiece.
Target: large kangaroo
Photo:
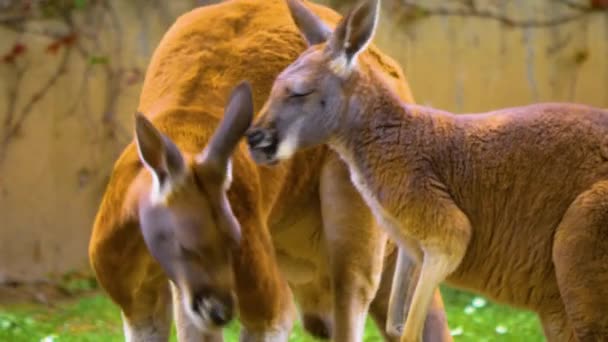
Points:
(511, 204)
(221, 230)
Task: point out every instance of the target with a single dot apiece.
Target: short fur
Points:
(511, 204)
(301, 223)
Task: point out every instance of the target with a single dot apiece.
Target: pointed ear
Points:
(310, 25)
(354, 33)
(158, 154)
(237, 118)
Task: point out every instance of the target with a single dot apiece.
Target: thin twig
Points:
(13, 96)
(99, 16)
(13, 128)
(82, 90)
(574, 5)
(422, 11)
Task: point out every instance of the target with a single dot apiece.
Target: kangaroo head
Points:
(310, 97)
(185, 217)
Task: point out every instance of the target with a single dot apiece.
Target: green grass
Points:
(94, 318)
(472, 318)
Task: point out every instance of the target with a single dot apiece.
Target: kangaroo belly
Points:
(510, 265)
(299, 245)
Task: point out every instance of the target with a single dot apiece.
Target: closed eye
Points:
(295, 95)
(189, 253)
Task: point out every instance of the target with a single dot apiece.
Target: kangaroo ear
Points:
(237, 118)
(158, 153)
(353, 34)
(310, 25)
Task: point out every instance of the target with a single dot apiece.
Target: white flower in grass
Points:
(479, 302)
(501, 329)
(456, 332)
(469, 310)
(49, 338)
(5, 324)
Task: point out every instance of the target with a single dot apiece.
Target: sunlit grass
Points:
(94, 318)
(473, 318)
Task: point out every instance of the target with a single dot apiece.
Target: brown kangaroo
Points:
(231, 236)
(511, 204)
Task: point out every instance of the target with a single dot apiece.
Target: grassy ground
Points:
(93, 317)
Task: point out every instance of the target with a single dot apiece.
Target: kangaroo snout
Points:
(262, 144)
(258, 137)
(217, 310)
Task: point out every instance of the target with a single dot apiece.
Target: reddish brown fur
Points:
(512, 204)
(198, 61)
(520, 176)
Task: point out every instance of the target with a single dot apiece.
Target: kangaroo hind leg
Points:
(580, 256)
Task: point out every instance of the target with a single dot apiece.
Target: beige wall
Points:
(54, 172)
(469, 65)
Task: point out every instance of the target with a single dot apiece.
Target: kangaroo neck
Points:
(390, 145)
(375, 120)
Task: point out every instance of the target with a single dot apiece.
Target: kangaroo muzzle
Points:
(216, 310)
(263, 144)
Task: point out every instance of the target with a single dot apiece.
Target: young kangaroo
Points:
(241, 237)
(511, 204)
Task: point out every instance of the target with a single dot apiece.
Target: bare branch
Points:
(13, 96)
(574, 5)
(579, 12)
(13, 127)
(93, 33)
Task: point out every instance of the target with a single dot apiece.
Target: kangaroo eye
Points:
(188, 252)
(293, 94)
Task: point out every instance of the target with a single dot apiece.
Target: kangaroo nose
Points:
(217, 308)
(220, 316)
(255, 137)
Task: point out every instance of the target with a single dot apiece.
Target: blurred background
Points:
(70, 76)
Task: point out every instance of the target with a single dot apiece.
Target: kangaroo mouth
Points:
(263, 146)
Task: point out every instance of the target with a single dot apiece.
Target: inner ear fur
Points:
(156, 151)
(355, 31)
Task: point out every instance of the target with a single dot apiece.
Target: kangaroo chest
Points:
(382, 214)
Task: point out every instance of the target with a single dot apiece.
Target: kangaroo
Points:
(188, 222)
(511, 204)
